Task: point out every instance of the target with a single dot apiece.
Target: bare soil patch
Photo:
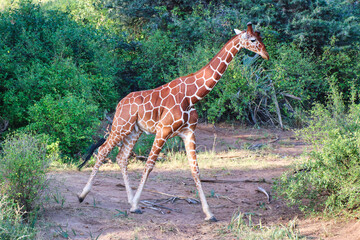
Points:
(102, 214)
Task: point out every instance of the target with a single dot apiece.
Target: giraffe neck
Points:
(203, 81)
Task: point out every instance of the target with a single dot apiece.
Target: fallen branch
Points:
(225, 197)
(235, 181)
(274, 140)
(151, 207)
(153, 204)
(232, 156)
(256, 146)
(260, 189)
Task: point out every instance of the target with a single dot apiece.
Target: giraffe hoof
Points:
(137, 211)
(80, 199)
(212, 219)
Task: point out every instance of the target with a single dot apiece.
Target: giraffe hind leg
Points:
(123, 157)
(104, 150)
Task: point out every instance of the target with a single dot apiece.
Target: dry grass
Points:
(230, 160)
(242, 227)
(225, 161)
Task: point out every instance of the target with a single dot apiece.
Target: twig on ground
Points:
(274, 140)
(153, 204)
(151, 207)
(225, 197)
(231, 156)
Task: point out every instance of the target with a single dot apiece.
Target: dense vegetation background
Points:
(64, 64)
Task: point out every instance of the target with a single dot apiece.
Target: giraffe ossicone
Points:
(168, 111)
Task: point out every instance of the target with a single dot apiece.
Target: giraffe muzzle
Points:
(265, 55)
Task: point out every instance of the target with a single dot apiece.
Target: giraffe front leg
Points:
(190, 146)
(155, 150)
(123, 157)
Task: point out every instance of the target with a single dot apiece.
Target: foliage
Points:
(243, 229)
(97, 51)
(47, 56)
(309, 23)
(68, 118)
(329, 179)
(156, 62)
(24, 161)
(45, 52)
(12, 225)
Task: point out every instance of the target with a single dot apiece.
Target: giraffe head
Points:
(252, 41)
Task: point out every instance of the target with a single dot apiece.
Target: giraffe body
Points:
(168, 111)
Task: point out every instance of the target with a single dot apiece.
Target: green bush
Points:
(46, 52)
(156, 61)
(329, 179)
(12, 225)
(97, 51)
(24, 161)
(71, 120)
(145, 143)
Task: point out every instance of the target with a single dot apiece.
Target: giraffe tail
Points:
(92, 149)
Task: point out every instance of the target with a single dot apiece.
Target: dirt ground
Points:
(104, 213)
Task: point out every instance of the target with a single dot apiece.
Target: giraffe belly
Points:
(147, 126)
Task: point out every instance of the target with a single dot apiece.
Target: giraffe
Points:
(168, 111)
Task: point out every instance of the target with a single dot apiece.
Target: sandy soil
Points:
(104, 213)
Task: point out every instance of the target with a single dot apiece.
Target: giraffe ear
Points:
(257, 34)
(237, 31)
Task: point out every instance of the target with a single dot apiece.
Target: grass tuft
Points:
(246, 229)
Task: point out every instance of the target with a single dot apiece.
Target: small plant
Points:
(63, 233)
(243, 229)
(24, 161)
(94, 202)
(212, 193)
(58, 198)
(121, 213)
(12, 225)
(95, 238)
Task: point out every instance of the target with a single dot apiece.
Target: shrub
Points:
(24, 161)
(157, 60)
(69, 119)
(329, 179)
(12, 225)
(46, 52)
(145, 143)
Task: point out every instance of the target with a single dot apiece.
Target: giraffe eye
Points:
(253, 40)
